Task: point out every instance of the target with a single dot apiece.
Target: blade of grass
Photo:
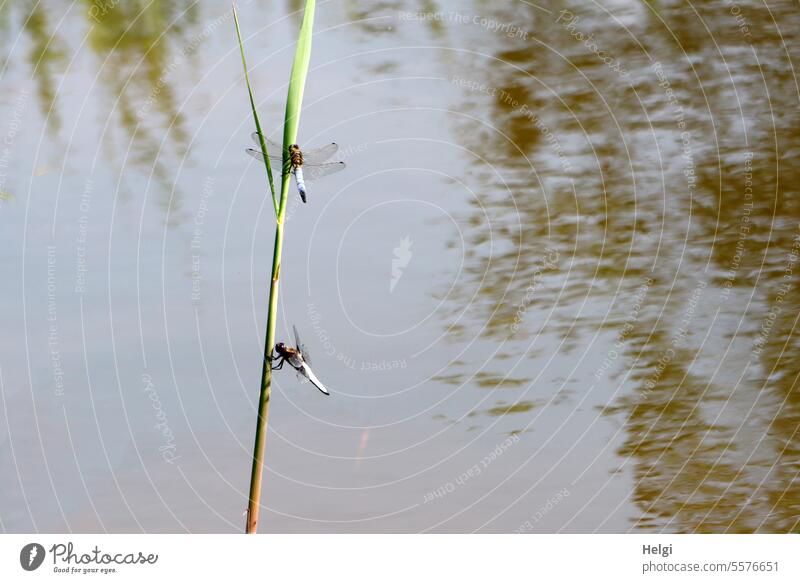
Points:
(261, 140)
(294, 102)
(297, 84)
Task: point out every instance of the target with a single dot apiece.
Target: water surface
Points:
(554, 290)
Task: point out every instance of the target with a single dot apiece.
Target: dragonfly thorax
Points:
(295, 155)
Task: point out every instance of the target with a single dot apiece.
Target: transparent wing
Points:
(300, 346)
(316, 171)
(297, 342)
(311, 157)
(319, 155)
(274, 149)
(258, 155)
(297, 363)
(273, 146)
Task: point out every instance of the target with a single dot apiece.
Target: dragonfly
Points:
(298, 359)
(303, 164)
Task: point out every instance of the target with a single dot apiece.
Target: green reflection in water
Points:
(658, 244)
(493, 381)
(142, 47)
(46, 57)
(521, 407)
(710, 433)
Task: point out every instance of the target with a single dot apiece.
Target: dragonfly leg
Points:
(279, 366)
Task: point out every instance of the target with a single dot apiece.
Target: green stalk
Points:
(294, 102)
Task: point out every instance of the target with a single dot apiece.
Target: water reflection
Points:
(46, 56)
(143, 46)
(669, 194)
(634, 236)
(140, 47)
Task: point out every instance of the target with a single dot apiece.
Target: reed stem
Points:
(291, 121)
(266, 385)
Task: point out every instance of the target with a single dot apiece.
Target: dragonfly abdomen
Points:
(301, 184)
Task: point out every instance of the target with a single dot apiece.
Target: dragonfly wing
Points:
(258, 155)
(274, 149)
(309, 374)
(296, 362)
(272, 145)
(319, 155)
(296, 336)
(300, 346)
(313, 172)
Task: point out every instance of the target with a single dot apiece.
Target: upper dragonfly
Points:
(314, 161)
(298, 359)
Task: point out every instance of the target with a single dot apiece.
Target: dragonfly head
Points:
(280, 348)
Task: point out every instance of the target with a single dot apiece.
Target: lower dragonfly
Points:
(315, 162)
(298, 359)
